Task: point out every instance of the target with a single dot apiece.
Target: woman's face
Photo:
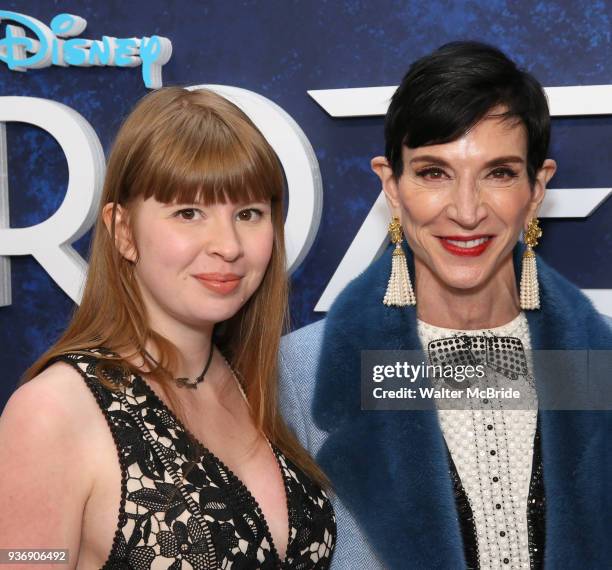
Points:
(463, 204)
(198, 264)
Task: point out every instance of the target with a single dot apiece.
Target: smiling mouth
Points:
(219, 283)
(466, 245)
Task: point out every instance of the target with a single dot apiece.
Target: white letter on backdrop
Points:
(49, 241)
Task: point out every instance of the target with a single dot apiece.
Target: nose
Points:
(466, 207)
(223, 240)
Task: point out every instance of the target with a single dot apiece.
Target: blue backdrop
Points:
(281, 49)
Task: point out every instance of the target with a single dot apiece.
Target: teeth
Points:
(468, 244)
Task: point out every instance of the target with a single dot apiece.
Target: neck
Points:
(493, 304)
(193, 346)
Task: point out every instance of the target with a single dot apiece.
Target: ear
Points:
(124, 240)
(380, 165)
(543, 176)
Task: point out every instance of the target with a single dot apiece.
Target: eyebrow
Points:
(431, 159)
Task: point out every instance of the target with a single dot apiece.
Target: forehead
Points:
(492, 137)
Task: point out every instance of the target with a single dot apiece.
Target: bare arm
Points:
(43, 488)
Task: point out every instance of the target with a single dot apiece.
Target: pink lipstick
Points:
(222, 283)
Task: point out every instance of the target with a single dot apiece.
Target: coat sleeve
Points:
(298, 361)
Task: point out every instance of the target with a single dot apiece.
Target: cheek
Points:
(422, 205)
(418, 209)
(159, 246)
(512, 206)
(258, 248)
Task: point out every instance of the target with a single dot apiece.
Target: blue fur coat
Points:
(389, 469)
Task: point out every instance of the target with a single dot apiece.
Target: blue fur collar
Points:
(391, 468)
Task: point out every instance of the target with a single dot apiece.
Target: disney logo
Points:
(21, 52)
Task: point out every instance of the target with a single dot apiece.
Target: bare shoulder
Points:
(52, 415)
(46, 431)
(56, 400)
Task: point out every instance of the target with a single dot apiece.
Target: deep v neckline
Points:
(204, 451)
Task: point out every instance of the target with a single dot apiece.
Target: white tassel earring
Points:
(399, 290)
(530, 289)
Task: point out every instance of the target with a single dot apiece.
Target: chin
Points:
(464, 278)
(214, 315)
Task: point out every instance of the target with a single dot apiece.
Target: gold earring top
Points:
(533, 233)
(395, 231)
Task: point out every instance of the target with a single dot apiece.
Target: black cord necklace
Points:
(184, 382)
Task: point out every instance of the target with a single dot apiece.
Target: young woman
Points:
(148, 436)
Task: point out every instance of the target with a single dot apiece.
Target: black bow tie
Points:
(504, 354)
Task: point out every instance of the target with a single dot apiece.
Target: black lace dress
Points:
(181, 507)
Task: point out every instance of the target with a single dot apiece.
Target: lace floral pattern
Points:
(181, 507)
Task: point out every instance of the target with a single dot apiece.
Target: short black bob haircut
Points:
(446, 93)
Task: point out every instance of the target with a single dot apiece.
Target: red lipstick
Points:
(470, 246)
(223, 283)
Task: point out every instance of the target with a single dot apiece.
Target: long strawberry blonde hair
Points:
(187, 146)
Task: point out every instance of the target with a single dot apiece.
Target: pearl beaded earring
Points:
(530, 289)
(399, 289)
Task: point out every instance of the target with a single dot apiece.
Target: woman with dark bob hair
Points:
(460, 478)
(148, 436)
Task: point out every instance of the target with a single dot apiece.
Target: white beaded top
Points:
(492, 448)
